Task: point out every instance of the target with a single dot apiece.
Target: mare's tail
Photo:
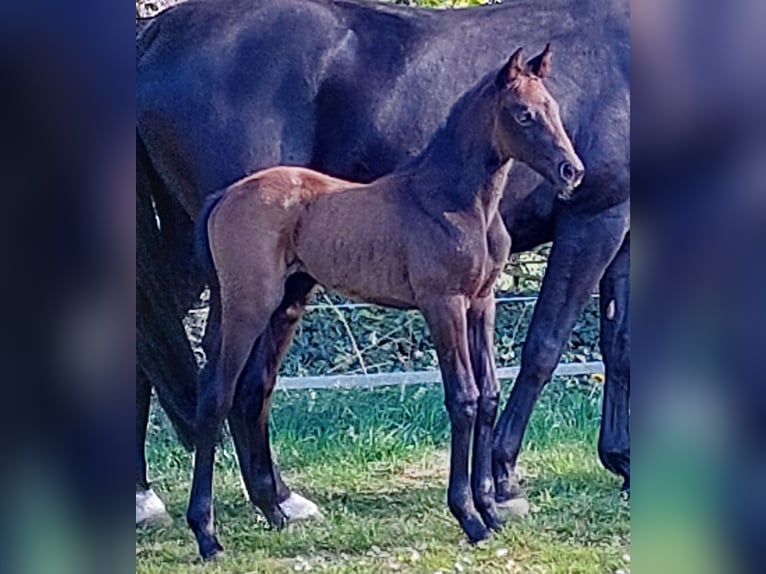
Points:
(163, 353)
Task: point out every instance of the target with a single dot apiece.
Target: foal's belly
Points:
(359, 264)
(360, 274)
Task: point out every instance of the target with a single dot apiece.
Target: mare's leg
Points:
(614, 436)
(446, 318)
(246, 313)
(164, 360)
(143, 401)
(584, 245)
(249, 418)
(481, 326)
(149, 506)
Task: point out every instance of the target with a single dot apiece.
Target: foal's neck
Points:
(464, 162)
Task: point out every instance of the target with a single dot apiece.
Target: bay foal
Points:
(428, 237)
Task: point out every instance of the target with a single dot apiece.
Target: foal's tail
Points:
(201, 240)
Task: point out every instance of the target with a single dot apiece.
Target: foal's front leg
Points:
(446, 318)
(481, 326)
(481, 345)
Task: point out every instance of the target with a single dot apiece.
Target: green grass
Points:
(376, 462)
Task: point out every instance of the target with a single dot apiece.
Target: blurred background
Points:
(699, 203)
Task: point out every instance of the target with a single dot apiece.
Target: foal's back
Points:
(287, 186)
(350, 237)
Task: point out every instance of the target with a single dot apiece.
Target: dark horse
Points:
(429, 236)
(353, 89)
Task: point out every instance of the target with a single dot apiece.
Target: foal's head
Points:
(530, 125)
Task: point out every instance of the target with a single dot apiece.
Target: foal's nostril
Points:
(567, 171)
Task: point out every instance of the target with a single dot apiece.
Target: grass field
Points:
(376, 461)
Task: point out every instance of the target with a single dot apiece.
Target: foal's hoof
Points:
(513, 507)
(275, 517)
(211, 550)
(475, 530)
(507, 483)
(492, 518)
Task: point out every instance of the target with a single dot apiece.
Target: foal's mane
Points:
(444, 136)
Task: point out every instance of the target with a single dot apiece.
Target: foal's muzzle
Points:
(570, 176)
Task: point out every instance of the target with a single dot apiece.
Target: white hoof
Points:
(513, 507)
(297, 508)
(149, 508)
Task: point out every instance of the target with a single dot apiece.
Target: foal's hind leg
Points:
(250, 414)
(245, 316)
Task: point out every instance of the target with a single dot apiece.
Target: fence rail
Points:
(415, 377)
(498, 300)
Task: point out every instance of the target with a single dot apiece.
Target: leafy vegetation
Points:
(150, 7)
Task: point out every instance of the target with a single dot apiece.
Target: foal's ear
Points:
(540, 65)
(513, 68)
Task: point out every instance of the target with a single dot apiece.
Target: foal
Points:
(428, 237)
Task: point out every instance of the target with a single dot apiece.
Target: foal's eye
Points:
(524, 117)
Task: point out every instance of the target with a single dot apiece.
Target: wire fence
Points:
(528, 270)
(431, 376)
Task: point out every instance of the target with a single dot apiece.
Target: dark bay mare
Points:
(429, 236)
(353, 89)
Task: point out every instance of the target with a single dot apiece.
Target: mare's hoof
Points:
(513, 507)
(296, 508)
(211, 550)
(150, 509)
